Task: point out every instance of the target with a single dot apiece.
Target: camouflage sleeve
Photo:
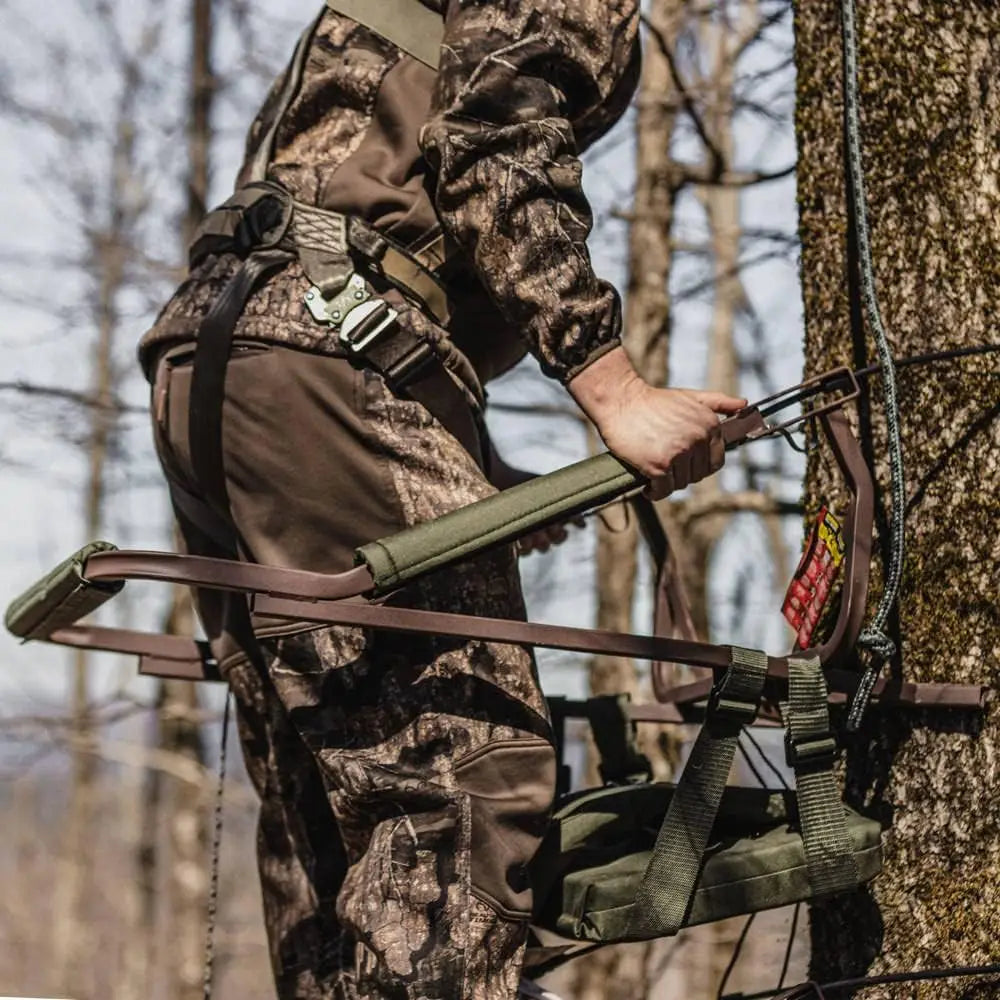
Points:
(522, 84)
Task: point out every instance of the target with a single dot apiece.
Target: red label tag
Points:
(814, 578)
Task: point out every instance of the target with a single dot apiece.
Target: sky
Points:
(41, 474)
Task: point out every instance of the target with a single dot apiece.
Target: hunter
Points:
(408, 222)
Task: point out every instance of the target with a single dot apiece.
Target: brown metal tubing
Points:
(858, 528)
(580, 640)
(225, 574)
(843, 683)
(160, 655)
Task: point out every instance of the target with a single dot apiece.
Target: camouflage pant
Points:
(404, 782)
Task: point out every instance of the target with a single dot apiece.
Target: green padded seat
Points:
(596, 851)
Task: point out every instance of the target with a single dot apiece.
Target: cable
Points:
(791, 945)
(213, 888)
(737, 951)
(873, 638)
(864, 982)
(772, 767)
(749, 763)
(932, 357)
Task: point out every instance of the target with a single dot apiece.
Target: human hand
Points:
(543, 539)
(670, 436)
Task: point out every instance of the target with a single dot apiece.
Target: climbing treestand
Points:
(633, 859)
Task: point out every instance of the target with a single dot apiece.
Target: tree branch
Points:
(746, 501)
(687, 101)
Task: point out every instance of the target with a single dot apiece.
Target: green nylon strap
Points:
(668, 883)
(408, 24)
(830, 858)
(497, 520)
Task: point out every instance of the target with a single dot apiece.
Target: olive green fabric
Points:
(61, 598)
(662, 898)
(408, 24)
(812, 749)
(599, 844)
(496, 520)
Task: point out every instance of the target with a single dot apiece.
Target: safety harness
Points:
(349, 265)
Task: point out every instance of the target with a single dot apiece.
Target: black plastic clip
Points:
(816, 751)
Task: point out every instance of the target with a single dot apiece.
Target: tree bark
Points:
(180, 727)
(73, 938)
(178, 806)
(930, 110)
(622, 971)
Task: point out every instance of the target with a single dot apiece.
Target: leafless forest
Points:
(122, 120)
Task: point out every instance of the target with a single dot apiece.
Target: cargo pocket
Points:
(510, 785)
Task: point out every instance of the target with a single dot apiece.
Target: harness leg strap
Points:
(208, 377)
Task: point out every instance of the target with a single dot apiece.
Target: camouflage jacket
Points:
(487, 148)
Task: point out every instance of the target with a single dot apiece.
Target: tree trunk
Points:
(622, 971)
(74, 944)
(178, 806)
(930, 103)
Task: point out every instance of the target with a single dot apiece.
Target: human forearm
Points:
(503, 155)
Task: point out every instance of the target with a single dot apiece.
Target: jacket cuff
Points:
(598, 352)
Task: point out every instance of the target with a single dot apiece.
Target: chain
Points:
(213, 887)
(873, 638)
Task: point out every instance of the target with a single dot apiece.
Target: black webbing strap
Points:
(614, 735)
(208, 377)
(812, 751)
(413, 369)
(664, 895)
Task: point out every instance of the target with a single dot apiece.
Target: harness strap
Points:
(208, 376)
(262, 223)
(667, 886)
(408, 24)
(812, 750)
(621, 761)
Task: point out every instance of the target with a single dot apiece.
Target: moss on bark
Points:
(930, 95)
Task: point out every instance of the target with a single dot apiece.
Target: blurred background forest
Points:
(121, 121)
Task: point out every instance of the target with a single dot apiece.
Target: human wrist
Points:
(602, 387)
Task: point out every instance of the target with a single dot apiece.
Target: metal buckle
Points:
(365, 324)
(359, 317)
(334, 311)
(817, 750)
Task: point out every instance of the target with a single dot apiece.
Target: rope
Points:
(213, 888)
(873, 638)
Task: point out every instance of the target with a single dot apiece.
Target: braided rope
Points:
(873, 638)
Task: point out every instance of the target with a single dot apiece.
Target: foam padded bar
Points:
(61, 598)
(496, 520)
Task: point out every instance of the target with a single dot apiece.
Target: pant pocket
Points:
(510, 786)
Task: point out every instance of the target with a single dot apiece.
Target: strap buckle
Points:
(734, 711)
(354, 312)
(812, 751)
(365, 324)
